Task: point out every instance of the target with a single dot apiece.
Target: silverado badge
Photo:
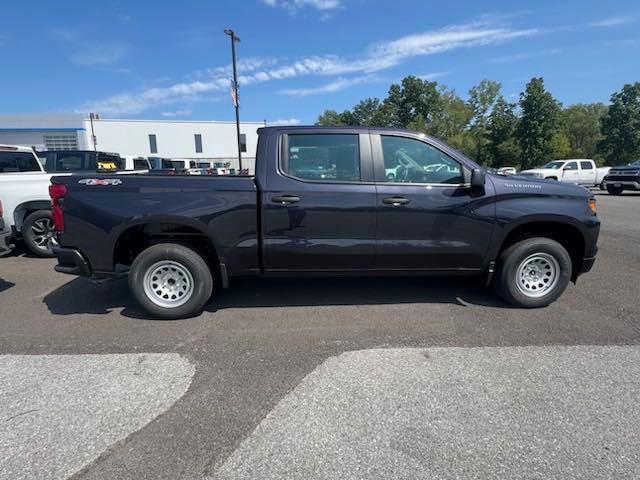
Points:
(100, 181)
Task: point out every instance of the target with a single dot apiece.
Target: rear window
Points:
(18, 162)
(586, 165)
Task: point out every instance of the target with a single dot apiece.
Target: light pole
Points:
(234, 91)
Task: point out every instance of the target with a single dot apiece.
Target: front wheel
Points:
(533, 273)
(614, 190)
(171, 281)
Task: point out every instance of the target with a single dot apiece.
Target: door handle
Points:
(396, 201)
(285, 199)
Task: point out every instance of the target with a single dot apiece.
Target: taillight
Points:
(57, 192)
(1, 212)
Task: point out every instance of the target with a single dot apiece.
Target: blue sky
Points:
(169, 59)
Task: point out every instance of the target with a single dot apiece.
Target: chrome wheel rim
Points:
(168, 284)
(43, 233)
(537, 275)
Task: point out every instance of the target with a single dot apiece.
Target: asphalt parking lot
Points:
(348, 378)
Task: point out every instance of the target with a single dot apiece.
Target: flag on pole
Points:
(234, 93)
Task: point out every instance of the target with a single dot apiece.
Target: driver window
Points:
(407, 160)
(571, 166)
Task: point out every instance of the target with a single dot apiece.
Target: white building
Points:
(210, 140)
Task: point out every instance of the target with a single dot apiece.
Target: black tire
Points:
(537, 249)
(614, 190)
(188, 263)
(37, 231)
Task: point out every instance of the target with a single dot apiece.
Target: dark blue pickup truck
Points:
(326, 201)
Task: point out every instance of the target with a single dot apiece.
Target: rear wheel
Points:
(171, 281)
(38, 233)
(614, 190)
(533, 272)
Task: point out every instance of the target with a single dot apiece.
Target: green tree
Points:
(503, 147)
(330, 118)
(560, 146)
(482, 99)
(449, 117)
(411, 98)
(621, 126)
(581, 124)
(538, 123)
(367, 112)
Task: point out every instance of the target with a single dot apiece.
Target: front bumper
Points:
(625, 184)
(72, 262)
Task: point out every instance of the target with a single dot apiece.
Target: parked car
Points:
(62, 161)
(507, 171)
(211, 167)
(178, 237)
(138, 164)
(5, 234)
(623, 178)
(161, 165)
(185, 166)
(580, 171)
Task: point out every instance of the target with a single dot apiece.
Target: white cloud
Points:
(284, 121)
(177, 113)
(524, 56)
(335, 86)
(433, 76)
(293, 5)
(613, 21)
(99, 55)
(263, 69)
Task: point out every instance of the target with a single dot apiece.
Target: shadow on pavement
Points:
(4, 285)
(83, 296)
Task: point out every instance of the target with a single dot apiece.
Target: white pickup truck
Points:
(580, 171)
(24, 192)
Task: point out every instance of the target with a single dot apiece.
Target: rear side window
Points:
(323, 157)
(586, 165)
(70, 162)
(18, 162)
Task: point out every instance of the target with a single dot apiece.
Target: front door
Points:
(570, 173)
(426, 217)
(319, 211)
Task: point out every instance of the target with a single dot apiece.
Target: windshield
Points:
(635, 164)
(554, 165)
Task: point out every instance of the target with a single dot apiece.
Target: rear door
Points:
(587, 172)
(319, 207)
(426, 217)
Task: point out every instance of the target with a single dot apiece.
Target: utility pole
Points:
(93, 116)
(234, 91)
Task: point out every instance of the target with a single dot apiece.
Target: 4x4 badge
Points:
(100, 181)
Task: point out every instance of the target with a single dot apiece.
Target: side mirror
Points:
(478, 178)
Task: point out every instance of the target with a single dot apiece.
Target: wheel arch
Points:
(23, 210)
(135, 237)
(563, 232)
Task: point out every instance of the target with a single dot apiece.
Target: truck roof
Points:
(15, 148)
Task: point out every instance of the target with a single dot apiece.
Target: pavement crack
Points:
(20, 414)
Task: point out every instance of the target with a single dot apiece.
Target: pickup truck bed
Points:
(322, 203)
